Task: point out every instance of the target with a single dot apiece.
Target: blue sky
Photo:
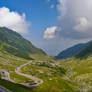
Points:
(38, 12)
(53, 23)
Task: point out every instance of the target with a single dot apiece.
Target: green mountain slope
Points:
(78, 51)
(79, 68)
(86, 52)
(70, 51)
(79, 71)
(15, 44)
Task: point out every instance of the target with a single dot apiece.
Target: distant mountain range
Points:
(78, 51)
(15, 44)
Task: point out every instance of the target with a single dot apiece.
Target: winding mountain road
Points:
(2, 89)
(35, 79)
(5, 75)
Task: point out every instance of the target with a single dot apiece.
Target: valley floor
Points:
(80, 72)
(5, 75)
(70, 75)
(46, 74)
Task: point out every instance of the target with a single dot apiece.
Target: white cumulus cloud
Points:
(50, 32)
(13, 20)
(75, 18)
(82, 25)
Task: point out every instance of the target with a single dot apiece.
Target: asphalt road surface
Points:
(35, 79)
(5, 75)
(2, 89)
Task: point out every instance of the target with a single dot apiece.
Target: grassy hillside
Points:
(10, 62)
(86, 52)
(67, 53)
(79, 71)
(52, 76)
(79, 68)
(15, 44)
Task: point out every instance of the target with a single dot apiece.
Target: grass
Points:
(52, 73)
(53, 81)
(79, 71)
(14, 87)
(10, 63)
(41, 57)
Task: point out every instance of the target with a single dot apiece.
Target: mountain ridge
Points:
(15, 44)
(69, 52)
(85, 52)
